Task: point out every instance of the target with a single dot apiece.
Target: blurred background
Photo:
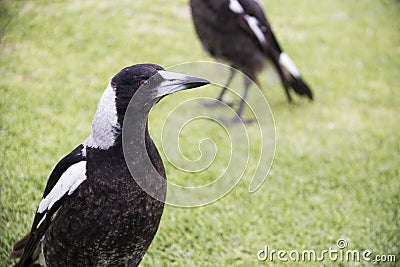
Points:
(336, 168)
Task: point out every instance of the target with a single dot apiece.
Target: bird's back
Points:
(238, 32)
(221, 36)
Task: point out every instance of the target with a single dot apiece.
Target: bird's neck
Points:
(143, 160)
(135, 147)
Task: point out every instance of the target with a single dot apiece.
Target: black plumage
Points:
(238, 32)
(93, 213)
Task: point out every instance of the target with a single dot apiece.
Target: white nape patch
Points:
(68, 182)
(255, 27)
(105, 122)
(236, 7)
(287, 62)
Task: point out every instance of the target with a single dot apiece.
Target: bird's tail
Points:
(18, 248)
(291, 77)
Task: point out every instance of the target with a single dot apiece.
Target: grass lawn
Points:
(336, 168)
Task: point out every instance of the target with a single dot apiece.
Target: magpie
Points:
(93, 212)
(238, 32)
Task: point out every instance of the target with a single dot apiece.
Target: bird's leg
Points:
(239, 112)
(228, 82)
(219, 98)
(289, 97)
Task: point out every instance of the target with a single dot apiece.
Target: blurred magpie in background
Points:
(238, 32)
(93, 212)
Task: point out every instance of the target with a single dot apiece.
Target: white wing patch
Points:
(255, 27)
(253, 22)
(40, 222)
(236, 7)
(68, 182)
(287, 62)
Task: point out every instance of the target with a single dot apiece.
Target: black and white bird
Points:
(93, 213)
(238, 32)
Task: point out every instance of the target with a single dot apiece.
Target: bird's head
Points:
(147, 84)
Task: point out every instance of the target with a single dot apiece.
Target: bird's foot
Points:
(233, 103)
(213, 103)
(216, 103)
(237, 120)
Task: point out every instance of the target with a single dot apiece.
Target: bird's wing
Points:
(251, 18)
(67, 175)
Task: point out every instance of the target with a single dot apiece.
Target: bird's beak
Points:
(172, 82)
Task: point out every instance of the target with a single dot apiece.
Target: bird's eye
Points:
(143, 82)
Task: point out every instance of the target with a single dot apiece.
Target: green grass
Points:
(336, 168)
